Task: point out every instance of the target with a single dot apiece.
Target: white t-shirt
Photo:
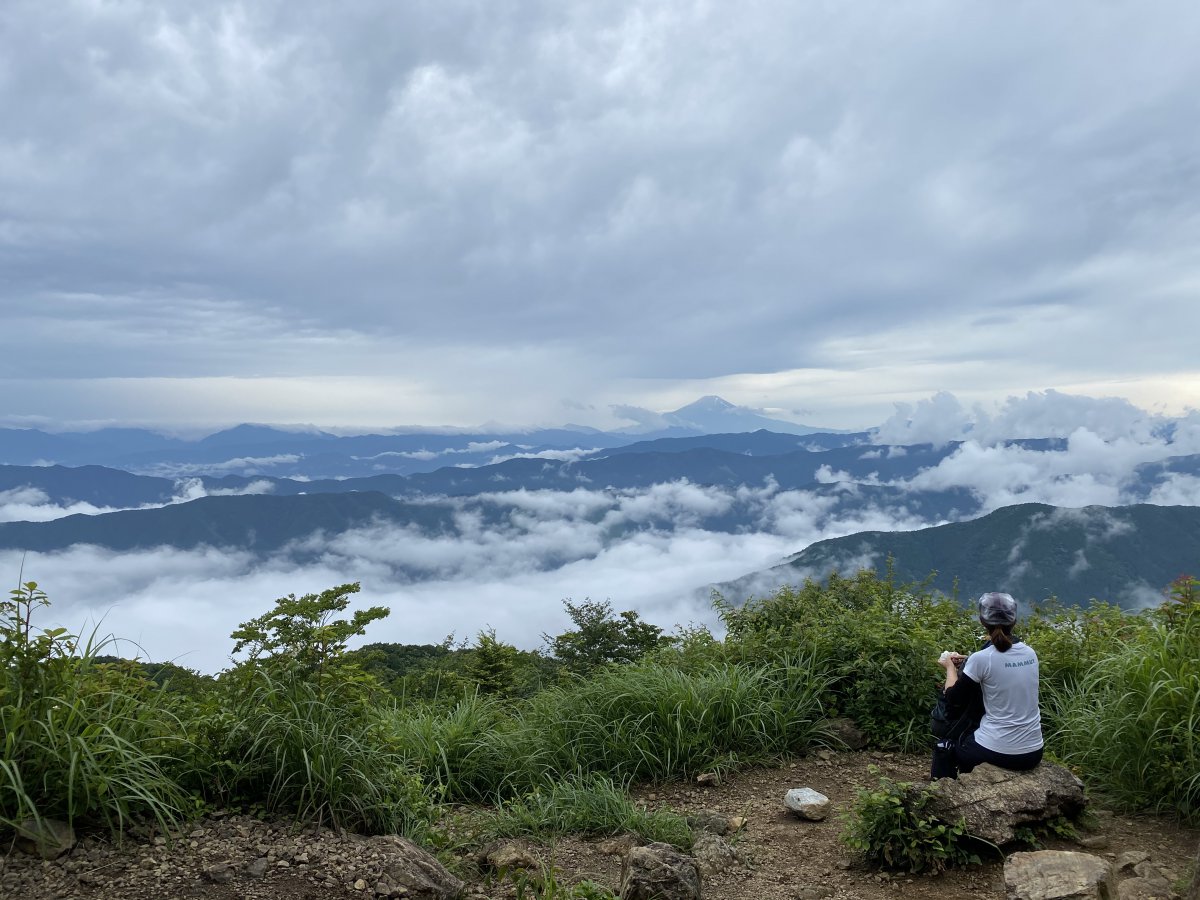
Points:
(1012, 722)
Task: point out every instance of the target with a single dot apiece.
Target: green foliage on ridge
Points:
(377, 739)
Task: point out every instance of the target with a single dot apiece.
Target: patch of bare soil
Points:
(780, 857)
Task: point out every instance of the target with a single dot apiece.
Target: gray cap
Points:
(996, 608)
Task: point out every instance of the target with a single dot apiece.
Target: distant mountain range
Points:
(267, 491)
(282, 452)
(1126, 555)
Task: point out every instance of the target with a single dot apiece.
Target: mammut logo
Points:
(1017, 665)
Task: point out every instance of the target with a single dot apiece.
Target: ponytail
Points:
(1001, 636)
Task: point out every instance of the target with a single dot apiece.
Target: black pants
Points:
(951, 758)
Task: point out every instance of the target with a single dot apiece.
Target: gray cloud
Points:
(520, 204)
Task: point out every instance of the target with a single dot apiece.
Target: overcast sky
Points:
(440, 212)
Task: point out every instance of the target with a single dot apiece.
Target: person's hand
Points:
(950, 658)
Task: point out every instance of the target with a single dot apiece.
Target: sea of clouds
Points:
(654, 550)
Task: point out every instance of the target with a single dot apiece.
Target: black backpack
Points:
(946, 728)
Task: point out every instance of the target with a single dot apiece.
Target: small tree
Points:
(493, 664)
(600, 638)
(303, 631)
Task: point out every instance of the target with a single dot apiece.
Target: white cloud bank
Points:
(654, 550)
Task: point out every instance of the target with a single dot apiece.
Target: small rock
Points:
(713, 854)
(508, 855)
(711, 821)
(1094, 841)
(218, 873)
(708, 779)
(257, 868)
(360, 885)
(618, 846)
(1141, 889)
(807, 803)
(1128, 860)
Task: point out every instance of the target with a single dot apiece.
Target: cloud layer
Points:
(515, 556)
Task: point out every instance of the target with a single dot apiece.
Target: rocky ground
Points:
(779, 857)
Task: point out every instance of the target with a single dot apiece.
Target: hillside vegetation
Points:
(381, 739)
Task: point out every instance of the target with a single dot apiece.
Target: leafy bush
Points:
(876, 643)
(1070, 640)
(82, 741)
(300, 729)
(890, 827)
(600, 638)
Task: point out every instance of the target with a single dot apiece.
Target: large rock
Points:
(47, 838)
(1058, 875)
(659, 872)
(409, 867)
(847, 732)
(996, 802)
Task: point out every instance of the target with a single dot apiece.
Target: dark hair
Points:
(1001, 636)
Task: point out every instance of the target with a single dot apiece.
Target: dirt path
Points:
(780, 856)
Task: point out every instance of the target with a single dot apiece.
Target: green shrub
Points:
(877, 643)
(890, 827)
(1070, 640)
(544, 885)
(82, 741)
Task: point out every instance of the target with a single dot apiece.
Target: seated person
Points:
(1004, 676)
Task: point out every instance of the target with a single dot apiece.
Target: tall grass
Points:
(81, 740)
(320, 754)
(644, 721)
(462, 749)
(1131, 722)
(592, 805)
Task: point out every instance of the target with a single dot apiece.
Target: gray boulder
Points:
(1193, 892)
(1058, 875)
(659, 872)
(407, 866)
(846, 732)
(47, 838)
(995, 802)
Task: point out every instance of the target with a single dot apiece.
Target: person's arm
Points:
(951, 664)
